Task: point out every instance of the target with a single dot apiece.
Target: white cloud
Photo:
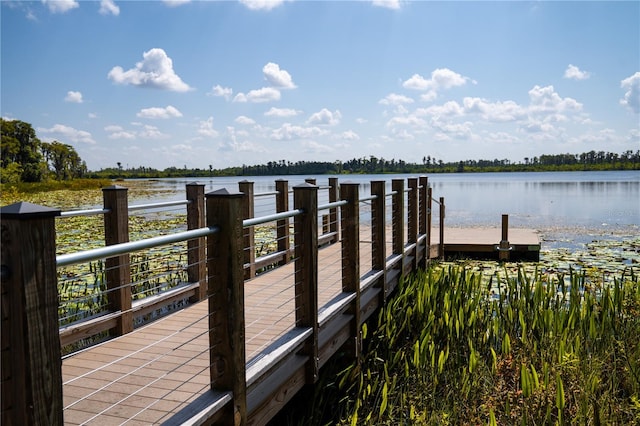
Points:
(441, 78)
(400, 134)
(389, 4)
(231, 143)
(117, 132)
(350, 135)
(108, 7)
(282, 112)
(175, 3)
(546, 100)
(416, 82)
(206, 128)
(451, 108)
(430, 96)
(289, 132)
(533, 126)
(60, 6)
(395, 99)
(155, 70)
(632, 94)
(245, 120)
(151, 132)
(220, 91)
(159, 113)
(494, 111)
(66, 133)
(262, 4)
(278, 77)
(74, 97)
(455, 130)
(575, 73)
(266, 94)
(315, 147)
(325, 117)
(410, 120)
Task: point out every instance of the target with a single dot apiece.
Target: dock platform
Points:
(484, 243)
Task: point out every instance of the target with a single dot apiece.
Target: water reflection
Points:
(592, 200)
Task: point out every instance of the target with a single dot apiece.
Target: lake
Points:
(589, 201)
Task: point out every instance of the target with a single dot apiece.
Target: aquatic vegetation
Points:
(452, 347)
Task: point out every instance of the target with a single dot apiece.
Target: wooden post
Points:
(504, 247)
(412, 211)
(226, 301)
(422, 220)
(196, 266)
(378, 233)
(282, 225)
(118, 268)
(350, 214)
(397, 185)
(334, 195)
(305, 197)
(378, 225)
(429, 219)
(248, 211)
(31, 357)
(412, 219)
(441, 251)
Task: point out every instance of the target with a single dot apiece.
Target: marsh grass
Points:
(454, 348)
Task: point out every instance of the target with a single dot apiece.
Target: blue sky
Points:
(226, 83)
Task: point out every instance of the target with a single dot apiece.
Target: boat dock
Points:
(256, 329)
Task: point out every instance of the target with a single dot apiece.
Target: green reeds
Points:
(454, 348)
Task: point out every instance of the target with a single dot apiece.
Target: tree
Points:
(64, 160)
(20, 145)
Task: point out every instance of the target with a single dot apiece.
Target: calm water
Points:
(600, 202)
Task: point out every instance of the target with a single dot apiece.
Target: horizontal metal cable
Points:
(333, 205)
(159, 205)
(271, 218)
(370, 198)
(128, 247)
(264, 194)
(90, 212)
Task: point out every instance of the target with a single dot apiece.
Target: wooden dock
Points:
(247, 343)
(484, 243)
(160, 372)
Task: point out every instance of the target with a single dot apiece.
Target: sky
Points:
(225, 83)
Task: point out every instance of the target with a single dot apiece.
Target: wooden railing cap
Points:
(115, 188)
(27, 210)
(223, 192)
(306, 185)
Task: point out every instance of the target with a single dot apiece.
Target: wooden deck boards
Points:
(152, 373)
(149, 375)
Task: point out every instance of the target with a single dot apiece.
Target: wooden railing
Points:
(31, 378)
(123, 309)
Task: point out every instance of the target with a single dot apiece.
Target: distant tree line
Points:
(592, 160)
(24, 158)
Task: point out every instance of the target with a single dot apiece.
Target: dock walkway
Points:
(160, 372)
(155, 373)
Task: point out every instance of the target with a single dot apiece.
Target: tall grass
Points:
(452, 348)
